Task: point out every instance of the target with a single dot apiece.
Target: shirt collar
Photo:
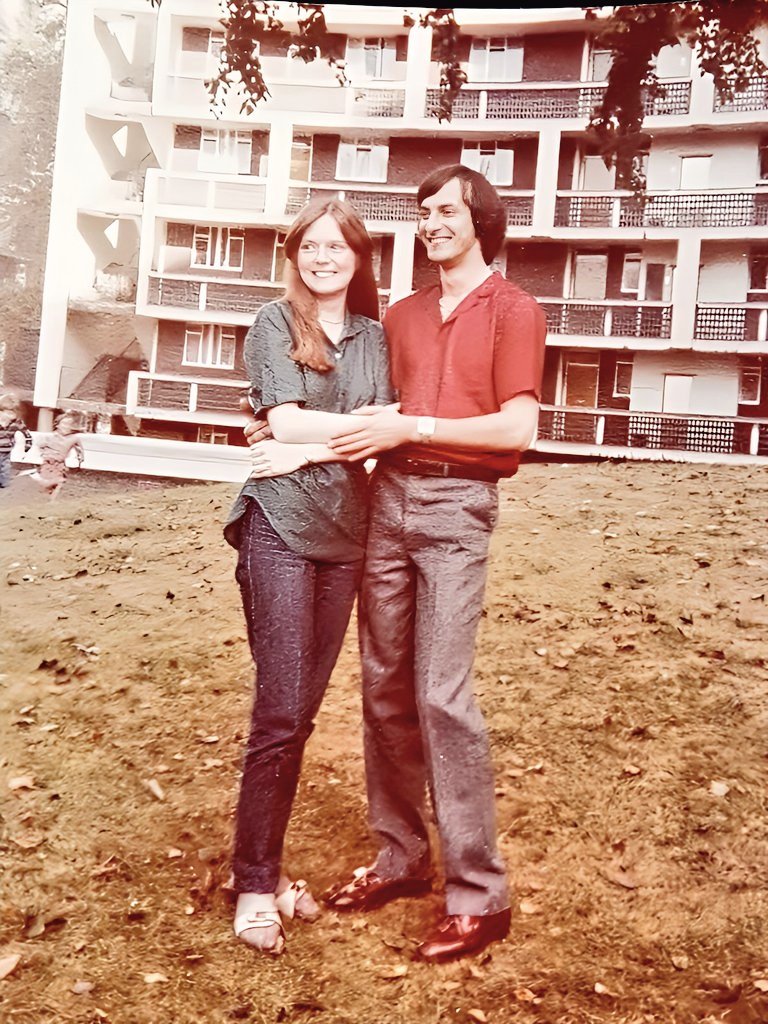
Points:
(476, 295)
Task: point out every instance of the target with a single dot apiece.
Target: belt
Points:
(424, 467)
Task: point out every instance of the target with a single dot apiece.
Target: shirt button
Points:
(337, 355)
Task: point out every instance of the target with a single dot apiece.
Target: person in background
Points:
(300, 525)
(10, 426)
(55, 448)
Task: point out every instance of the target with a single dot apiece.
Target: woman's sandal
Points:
(297, 901)
(248, 918)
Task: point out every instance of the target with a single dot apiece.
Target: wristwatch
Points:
(425, 428)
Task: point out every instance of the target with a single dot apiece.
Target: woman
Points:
(312, 357)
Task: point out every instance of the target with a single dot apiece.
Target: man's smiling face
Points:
(445, 225)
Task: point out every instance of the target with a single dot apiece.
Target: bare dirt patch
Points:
(623, 667)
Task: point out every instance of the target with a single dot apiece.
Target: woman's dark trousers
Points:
(297, 612)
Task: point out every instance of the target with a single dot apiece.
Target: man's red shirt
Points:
(488, 350)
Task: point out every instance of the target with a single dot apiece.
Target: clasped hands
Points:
(381, 427)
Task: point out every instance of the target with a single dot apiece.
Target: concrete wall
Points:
(715, 387)
(734, 160)
(724, 273)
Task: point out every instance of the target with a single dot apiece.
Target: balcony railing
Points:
(722, 209)
(152, 391)
(560, 100)
(653, 431)
(744, 321)
(379, 103)
(398, 206)
(608, 319)
(754, 97)
(202, 295)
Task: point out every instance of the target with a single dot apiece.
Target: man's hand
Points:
(255, 430)
(273, 458)
(382, 427)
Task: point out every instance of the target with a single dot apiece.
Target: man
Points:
(467, 360)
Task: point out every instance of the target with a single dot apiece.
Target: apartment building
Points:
(169, 217)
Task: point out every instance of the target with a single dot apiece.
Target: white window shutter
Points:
(345, 164)
(504, 166)
(355, 57)
(380, 158)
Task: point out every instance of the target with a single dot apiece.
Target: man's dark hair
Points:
(489, 216)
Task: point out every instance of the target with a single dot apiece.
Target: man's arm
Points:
(509, 430)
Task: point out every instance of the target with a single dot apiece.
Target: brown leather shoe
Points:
(367, 891)
(460, 935)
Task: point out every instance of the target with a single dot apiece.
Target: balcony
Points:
(753, 98)
(731, 208)
(207, 295)
(653, 431)
(735, 321)
(397, 205)
(155, 394)
(556, 100)
(204, 192)
(584, 318)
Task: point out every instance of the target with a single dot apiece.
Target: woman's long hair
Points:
(310, 343)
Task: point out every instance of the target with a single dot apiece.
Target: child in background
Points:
(10, 426)
(54, 449)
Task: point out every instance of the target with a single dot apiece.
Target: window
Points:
(200, 51)
(373, 57)
(493, 159)
(599, 65)
(209, 435)
(595, 176)
(749, 383)
(758, 272)
(278, 257)
(362, 161)
(590, 272)
(301, 158)
(499, 59)
(673, 62)
(762, 160)
(694, 171)
(630, 273)
(225, 152)
(220, 248)
(209, 345)
(622, 379)
(658, 282)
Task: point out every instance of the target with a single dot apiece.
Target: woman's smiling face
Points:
(325, 260)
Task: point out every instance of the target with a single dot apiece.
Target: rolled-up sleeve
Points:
(275, 377)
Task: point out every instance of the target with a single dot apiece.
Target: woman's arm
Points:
(293, 425)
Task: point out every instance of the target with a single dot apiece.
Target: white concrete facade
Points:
(167, 217)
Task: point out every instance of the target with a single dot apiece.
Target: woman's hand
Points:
(381, 427)
(274, 458)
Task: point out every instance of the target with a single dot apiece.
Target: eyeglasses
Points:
(334, 248)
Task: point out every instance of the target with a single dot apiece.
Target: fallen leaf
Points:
(155, 979)
(210, 739)
(529, 907)
(173, 853)
(602, 990)
(390, 973)
(719, 788)
(81, 988)
(632, 769)
(762, 985)
(524, 995)
(681, 963)
(477, 1015)
(451, 986)
(475, 971)
(154, 788)
(22, 782)
(618, 876)
(8, 965)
